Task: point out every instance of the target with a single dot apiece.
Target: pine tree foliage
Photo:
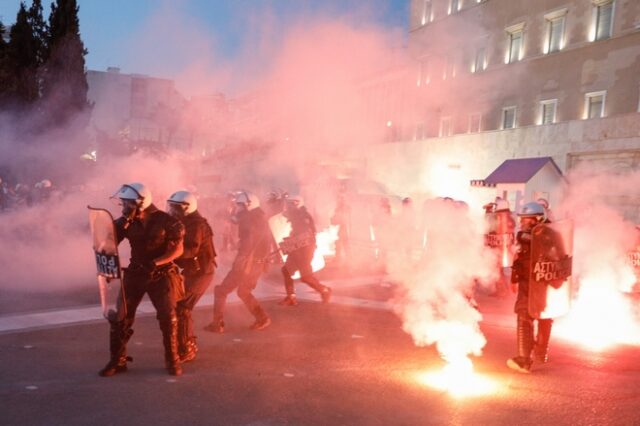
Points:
(22, 61)
(64, 86)
(4, 72)
(39, 29)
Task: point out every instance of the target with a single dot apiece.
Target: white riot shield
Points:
(500, 235)
(280, 229)
(551, 269)
(105, 247)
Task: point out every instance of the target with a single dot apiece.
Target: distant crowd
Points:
(20, 195)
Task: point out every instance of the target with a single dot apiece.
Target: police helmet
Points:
(185, 199)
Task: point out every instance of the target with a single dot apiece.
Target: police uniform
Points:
(521, 274)
(198, 267)
(302, 226)
(254, 246)
(149, 239)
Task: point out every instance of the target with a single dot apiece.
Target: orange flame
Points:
(458, 379)
(602, 316)
(325, 246)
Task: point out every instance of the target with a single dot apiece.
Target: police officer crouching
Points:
(198, 266)
(156, 240)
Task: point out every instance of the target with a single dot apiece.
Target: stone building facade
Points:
(501, 79)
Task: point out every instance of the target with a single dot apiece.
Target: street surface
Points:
(346, 363)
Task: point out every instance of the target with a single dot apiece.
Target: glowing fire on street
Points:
(325, 246)
(458, 379)
(602, 316)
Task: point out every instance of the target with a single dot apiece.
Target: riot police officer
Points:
(303, 235)
(156, 240)
(198, 265)
(254, 247)
(531, 215)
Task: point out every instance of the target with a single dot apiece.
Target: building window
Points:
(555, 34)
(427, 16)
(423, 73)
(449, 70)
(514, 52)
(479, 60)
(446, 127)
(548, 111)
(509, 117)
(474, 122)
(603, 19)
(454, 6)
(594, 104)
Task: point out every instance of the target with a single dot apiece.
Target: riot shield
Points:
(105, 247)
(280, 229)
(551, 268)
(500, 236)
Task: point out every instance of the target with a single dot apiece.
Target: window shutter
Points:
(548, 112)
(555, 34)
(604, 21)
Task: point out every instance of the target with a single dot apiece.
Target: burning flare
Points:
(602, 316)
(325, 246)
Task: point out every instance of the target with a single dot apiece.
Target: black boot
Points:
(262, 319)
(541, 348)
(522, 362)
(217, 326)
(314, 283)
(186, 342)
(288, 281)
(170, 340)
(219, 302)
(189, 352)
(119, 335)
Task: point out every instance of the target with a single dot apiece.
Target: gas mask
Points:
(176, 210)
(130, 208)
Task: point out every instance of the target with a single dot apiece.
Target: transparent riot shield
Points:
(500, 235)
(105, 247)
(551, 268)
(280, 229)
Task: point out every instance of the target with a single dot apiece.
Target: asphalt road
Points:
(319, 364)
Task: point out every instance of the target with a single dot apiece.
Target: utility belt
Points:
(146, 268)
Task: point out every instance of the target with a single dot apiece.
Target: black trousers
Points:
(243, 275)
(194, 286)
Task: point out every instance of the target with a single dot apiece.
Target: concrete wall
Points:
(444, 166)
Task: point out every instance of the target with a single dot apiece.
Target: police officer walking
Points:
(156, 241)
(254, 247)
(303, 236)
(198, 265)
(531, 215)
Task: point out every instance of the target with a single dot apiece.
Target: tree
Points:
(22, 61)
(64, 85)
(39, 30)
(4, 72)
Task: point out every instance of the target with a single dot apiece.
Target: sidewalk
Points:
(496, 312)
